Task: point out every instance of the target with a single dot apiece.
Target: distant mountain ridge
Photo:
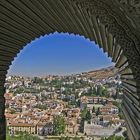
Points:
(102, 73)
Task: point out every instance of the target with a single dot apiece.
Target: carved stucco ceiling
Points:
(131, 8)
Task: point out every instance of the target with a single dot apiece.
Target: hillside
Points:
(102, 73)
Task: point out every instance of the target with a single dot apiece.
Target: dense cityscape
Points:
(84, 106)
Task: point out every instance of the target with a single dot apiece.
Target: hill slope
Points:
(102, 73)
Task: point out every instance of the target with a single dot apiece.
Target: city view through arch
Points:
(63, 86)
(112, 24)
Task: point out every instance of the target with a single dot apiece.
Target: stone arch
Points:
(108, 23)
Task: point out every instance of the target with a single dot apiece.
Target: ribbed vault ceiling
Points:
(107, 22)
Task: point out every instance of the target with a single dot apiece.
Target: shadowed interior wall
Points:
(113, 24)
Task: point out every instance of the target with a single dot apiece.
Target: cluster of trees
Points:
(18, 90)
(100, 91)
(43, 107)
(38, 80)
(24, 89)
(119, 105)
(85, 116)
(98, 111)
(22, 136)
(113, 137)
(58, 83)
(69, 138)
(59, 125)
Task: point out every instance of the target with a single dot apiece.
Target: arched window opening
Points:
(64, 84)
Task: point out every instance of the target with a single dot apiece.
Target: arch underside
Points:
(109, 23)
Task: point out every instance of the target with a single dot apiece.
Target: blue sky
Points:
(59, 54)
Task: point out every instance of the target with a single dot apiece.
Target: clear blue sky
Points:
(59, 54)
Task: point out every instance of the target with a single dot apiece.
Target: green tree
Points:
(93, 109)
(83, 113)
(82, 125)
(105, 92)
(88, 115)
(98, 112)
(78, 103)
